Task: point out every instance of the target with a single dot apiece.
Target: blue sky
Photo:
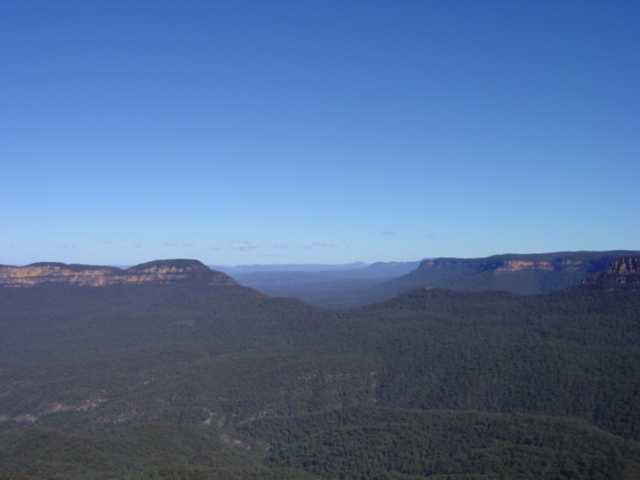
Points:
(242, 132)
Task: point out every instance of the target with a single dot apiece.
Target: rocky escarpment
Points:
(622, 271)
(160, 271)
(517, 273)
(500, 264)
(494, 265)
(588, 263)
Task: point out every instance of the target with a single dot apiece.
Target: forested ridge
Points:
(524, 274)
(192, 380)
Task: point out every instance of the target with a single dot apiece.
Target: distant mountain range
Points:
(294, 267)
(315, 281)
(522, 274)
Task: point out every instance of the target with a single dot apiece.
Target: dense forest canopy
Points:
(191, 378)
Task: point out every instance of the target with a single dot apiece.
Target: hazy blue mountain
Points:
(312, 267)
(381, 270)
(320, 287)
(522, 274)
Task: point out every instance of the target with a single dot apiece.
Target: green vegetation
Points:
(151, 451)
(369, 443)
(375, 443)
(190, 380)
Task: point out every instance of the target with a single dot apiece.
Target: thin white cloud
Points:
(101, 240)
(170, 244)
(388, 232)
(188, 244)
(242, 245)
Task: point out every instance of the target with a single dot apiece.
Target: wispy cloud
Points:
(318, 244)
(96, 239)
(174, 243)
(388, 232)
(215, 248)
(242, 245)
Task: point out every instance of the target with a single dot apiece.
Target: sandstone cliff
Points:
(507, 264)
(518, 273)
(622, 271)
(160, 271)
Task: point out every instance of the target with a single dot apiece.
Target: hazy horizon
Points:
(322, 266)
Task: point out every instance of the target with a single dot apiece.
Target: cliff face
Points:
(498, 265)
(523, 274)
(622, 271)
(161, 271)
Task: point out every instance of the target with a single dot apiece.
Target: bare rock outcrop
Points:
(622, 271)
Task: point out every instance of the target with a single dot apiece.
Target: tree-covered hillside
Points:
(375, 443)
(522, 274)
(369, 443)
(92, 366)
